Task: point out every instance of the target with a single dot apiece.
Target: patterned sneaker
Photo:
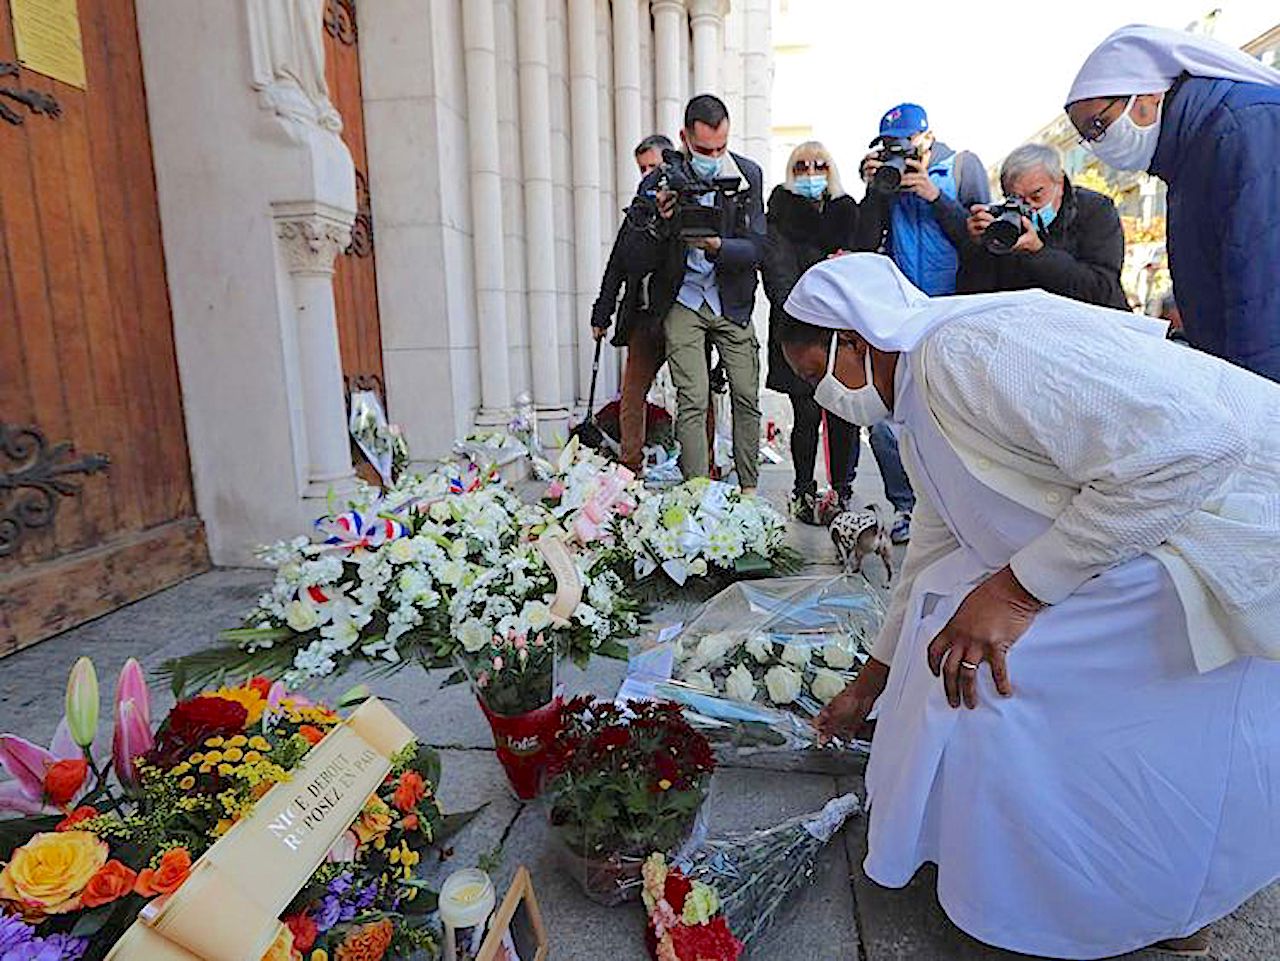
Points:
(900, 533)
(804, 507)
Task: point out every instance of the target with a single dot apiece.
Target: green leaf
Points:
(457, 677)
(614, 649)
(456, 821)
(91, 922)
(15, 832)
(752, 563)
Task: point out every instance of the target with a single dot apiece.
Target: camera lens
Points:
(1001, 235)
(887, 178)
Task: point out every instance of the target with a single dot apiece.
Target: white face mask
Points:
(862, 405)
(1127, 146)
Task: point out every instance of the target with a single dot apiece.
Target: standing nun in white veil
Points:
(1079, 697)
(1205, 119)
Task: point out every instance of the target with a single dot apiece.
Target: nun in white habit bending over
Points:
(1079, 697)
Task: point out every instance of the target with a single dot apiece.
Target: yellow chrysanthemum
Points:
(259, 743)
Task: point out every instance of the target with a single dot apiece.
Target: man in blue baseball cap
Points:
(919, 192)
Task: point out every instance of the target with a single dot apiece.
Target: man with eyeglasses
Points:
(1072, 244)
(703, 287)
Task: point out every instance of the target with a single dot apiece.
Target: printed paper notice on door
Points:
(47, 35)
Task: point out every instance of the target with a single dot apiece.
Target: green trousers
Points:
(687, 332)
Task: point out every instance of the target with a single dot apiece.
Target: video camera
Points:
(893, 156)
(692, 220)
(1004, 231)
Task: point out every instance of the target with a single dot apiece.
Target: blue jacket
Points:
(923, 238)
(1219, 141)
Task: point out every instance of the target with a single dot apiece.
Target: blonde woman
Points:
(809, 217)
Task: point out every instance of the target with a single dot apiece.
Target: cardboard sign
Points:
(47, 36)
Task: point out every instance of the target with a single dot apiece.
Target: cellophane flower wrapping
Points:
(762, 658)
(625, 781)
(756, 873)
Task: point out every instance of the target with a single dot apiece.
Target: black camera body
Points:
(893, 156)
(693, 220)
(1004, 231)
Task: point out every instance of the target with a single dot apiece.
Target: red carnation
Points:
(193, 721)
(303, 930)
(706, 942)
(676, 889)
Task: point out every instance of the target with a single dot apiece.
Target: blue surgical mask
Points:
(1045, 215)
(812, 187)
(705, 167)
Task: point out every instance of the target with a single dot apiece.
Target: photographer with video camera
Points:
(697, 226)
(637, 330)
(1048, 234)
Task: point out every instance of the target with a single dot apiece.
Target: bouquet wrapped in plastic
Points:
(756, 872)
(763, 658)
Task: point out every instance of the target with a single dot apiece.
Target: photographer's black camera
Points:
(692, 219)
(1004, 231)
(893, 156)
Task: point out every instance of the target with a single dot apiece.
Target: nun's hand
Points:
(849, 709)
(989, 622)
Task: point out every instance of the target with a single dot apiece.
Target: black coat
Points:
(801, 233)
(657, 255)
(1081, 259)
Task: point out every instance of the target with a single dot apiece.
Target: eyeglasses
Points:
(1096, 129)
(817, 166)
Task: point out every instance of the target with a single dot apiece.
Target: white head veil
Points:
(866, 293)
(1140, 59)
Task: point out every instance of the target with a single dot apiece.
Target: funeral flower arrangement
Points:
(625, 782)
(685, 923)
(102, 832)
(705, 529)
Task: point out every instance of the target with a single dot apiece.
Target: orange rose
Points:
(174, 867)
(313, 734)
(63, 779)
(410, 822)
(113, 880)
(366, 943)
(409, 791)
(83, 813)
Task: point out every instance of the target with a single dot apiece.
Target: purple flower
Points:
(13, 932)
(327, 915)
(56, 947)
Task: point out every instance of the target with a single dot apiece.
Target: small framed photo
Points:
(516, 932)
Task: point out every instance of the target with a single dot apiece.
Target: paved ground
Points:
(842, 917)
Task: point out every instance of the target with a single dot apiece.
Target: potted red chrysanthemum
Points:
(626, 781)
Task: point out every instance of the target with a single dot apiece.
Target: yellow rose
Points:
(47, 874)
(374, 821)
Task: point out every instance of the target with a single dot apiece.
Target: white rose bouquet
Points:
(704, 529)
(786, 645)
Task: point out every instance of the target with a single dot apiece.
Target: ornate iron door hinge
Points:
(340, 21)
(28, 491)
(33, 100)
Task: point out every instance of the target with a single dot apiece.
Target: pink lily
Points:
(28, 764)
(133, 735)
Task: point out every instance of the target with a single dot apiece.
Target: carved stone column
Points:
(311, 238)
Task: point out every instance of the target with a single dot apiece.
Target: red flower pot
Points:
(523, 743)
